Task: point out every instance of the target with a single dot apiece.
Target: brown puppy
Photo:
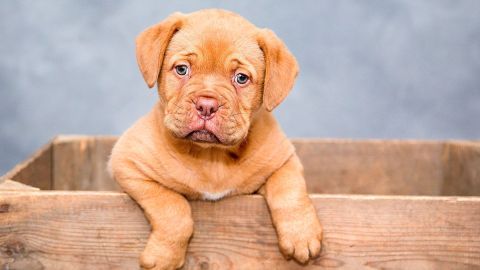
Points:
(211, 134)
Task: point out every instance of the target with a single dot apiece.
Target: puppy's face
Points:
(212, 79)
(215, 70)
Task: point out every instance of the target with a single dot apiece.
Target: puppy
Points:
(212, 133)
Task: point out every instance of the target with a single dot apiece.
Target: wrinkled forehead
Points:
(217, 44)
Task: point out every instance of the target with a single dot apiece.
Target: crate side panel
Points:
(66, 230)
(36, 171)
(462, 173)
(372, 167)
(81, 164)
(331, 166)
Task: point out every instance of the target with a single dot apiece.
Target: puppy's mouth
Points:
(203, 135)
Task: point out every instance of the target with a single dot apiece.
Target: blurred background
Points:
(369, 69)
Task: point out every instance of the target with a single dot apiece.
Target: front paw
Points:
(160, 254)
(299, 236)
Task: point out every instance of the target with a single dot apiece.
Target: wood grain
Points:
(35, 171)
(107, 230)
(462, 169)
(372, 166)
(383, 167)
(331, 166)
(80, 163)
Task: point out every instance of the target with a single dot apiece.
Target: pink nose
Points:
(206, 107)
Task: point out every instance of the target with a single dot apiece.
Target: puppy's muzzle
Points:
(206, 107)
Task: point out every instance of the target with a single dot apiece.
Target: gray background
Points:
(369, 69)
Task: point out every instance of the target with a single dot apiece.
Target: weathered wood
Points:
(386, 167)
(331, 166)
(80, 163)
(372, 166)
(462, 169)
(36, 170)
(10, 185)
(107, 230)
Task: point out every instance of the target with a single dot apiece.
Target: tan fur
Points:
(160, 168)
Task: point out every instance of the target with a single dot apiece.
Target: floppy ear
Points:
(151, 45)
(281, 69)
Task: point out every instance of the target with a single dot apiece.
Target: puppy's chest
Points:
(216, 181)
(217, 178)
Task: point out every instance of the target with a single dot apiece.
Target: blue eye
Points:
(241, 78)
(181, 70)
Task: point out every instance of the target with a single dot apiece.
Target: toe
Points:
(180, 263)
(301, 253)
(147, 261)
(314, 247)
(287, 248)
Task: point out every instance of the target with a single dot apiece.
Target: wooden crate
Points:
(383, 204)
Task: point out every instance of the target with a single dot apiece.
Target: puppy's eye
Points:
(241, 78)
(181, 70)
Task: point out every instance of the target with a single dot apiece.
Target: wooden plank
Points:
(80, 163)
(462, 169)
(95, 230)
(35, 171)
(10, 185)
(331, 166)
(388, 167)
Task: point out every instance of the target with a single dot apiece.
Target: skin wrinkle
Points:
(243, 64)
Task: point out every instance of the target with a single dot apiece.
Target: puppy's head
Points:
(214, 71)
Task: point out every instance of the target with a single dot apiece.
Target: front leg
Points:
(170, 216)
(294, 217)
